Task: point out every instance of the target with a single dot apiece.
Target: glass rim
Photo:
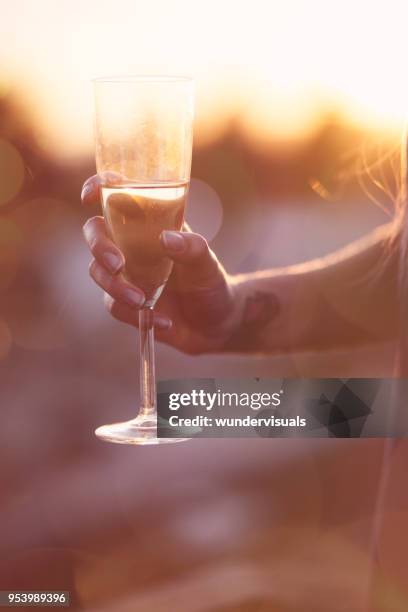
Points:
(144, 79)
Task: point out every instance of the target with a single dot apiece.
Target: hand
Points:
(198, 310)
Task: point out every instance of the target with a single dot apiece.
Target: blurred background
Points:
(300, 112)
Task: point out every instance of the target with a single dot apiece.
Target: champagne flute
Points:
(144, 133)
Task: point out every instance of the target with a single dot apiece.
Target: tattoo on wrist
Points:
(260, 309)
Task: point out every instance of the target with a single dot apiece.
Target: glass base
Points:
(141, 430)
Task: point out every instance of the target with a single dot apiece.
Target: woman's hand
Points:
(198, 309)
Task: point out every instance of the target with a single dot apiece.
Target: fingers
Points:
(102, 248)
(192, 251)
(117, 286)
(122, 312)
(91, 191)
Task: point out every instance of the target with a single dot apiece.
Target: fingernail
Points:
(174, 241)
(86, 190)
(163, 324)
(112, 261)
(133, 297)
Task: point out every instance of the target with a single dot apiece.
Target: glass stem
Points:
(147, 365)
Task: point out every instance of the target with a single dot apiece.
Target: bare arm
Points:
(348, 297)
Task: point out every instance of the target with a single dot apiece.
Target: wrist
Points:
(255, 307)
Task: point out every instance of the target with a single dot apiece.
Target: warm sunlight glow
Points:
(276, 66)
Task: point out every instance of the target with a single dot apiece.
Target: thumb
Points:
(200, 266)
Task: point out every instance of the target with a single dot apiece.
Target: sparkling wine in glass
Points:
(144, 130)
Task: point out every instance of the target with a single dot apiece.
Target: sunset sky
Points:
(276, 65)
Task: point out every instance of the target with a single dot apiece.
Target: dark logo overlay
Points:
(281, 408)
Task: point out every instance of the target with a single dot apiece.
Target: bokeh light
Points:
(204, 210)
(11, 242)
(11, 171)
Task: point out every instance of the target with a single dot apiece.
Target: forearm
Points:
(346, 298)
